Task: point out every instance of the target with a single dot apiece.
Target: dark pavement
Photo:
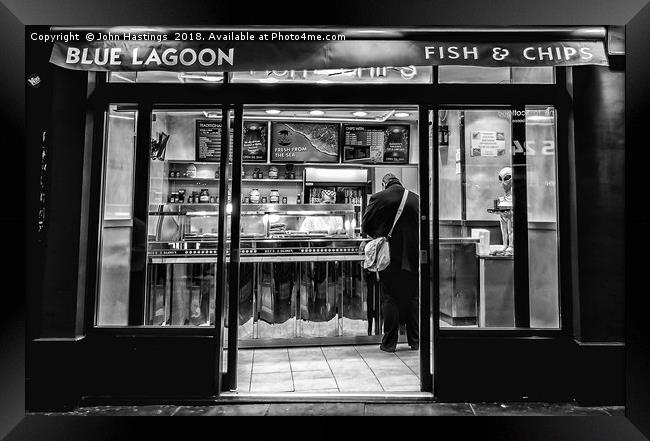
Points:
(352, 409)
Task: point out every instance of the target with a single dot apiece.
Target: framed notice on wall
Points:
(208, 140)
(488, 143)
(254, 141)
(379, 143)
(304, 142)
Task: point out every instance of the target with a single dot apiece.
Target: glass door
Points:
(166, 204)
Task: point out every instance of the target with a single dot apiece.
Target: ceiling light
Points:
(210, 114)
(268, 80)
(360, 113)
(317, 112)
(208, 78)
(272, 111)
(402, 115)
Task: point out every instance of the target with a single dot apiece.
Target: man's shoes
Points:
(386, 348)
(415, 347)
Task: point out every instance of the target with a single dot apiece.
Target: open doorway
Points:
(309, 318)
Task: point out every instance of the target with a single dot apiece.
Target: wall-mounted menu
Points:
(304, 142)
(208, 140)
(254, 141)
(376, 143)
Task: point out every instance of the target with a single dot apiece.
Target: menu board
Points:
(208, 140)
(254, 141)
(304, 142)
(376, 143)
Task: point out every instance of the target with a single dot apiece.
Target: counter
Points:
(458, 280)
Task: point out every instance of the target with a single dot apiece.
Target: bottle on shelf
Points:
(298, 199)
(204, 197)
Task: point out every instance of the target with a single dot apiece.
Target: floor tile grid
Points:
(291, 370)
(268, 365)
(417, 374)
(345, 362)
(330, 368)
(250, 383)
(373, 372)
(392, 372)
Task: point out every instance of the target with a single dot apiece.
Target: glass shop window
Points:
(183, 221)
(158, 262)
(117, 216)
(165, 77)
(485, 281)
(496, 75)
(359, 75)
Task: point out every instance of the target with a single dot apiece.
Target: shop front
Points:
(224, 187)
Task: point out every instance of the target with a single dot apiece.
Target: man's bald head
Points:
(389, 179)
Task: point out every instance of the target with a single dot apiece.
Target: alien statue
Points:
(504, 209)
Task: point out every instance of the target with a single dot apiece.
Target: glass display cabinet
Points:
(304, 277)
(300, 270)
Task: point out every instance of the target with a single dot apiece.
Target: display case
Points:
(300, 270)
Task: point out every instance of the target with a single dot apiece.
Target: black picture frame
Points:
(280, 140)
(212, 151)
(263, 155)
(377, 129)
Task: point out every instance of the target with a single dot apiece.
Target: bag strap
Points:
(399, 211)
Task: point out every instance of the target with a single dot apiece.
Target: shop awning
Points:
(159, 49)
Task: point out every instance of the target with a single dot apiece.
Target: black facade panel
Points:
(66, 149)
(479, 369)
(638, 157)
(599, 121)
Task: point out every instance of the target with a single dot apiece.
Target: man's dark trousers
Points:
(400, 304)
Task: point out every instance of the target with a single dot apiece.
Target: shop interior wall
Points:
(181, 146)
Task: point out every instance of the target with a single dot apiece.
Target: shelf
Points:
(187, 161)
(195, 179)
(328, 164)
(271, 180)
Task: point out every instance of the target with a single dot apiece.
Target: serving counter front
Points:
(294, 284)
(288, 289)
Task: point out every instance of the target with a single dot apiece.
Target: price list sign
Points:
(376, 143)
(208, 140)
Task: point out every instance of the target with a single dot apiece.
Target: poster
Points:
(488, 143)
(304, 142)
(396, 145)
(376, 143)
(208, 140)
(254, 141)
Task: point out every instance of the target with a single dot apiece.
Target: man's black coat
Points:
(378, 218)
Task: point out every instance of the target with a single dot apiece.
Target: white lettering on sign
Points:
(451, 52)
(187, 57)
(533, 53)
(98, 56)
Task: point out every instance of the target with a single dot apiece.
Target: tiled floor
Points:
(328, 369)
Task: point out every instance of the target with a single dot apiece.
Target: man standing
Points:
(399, 281)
